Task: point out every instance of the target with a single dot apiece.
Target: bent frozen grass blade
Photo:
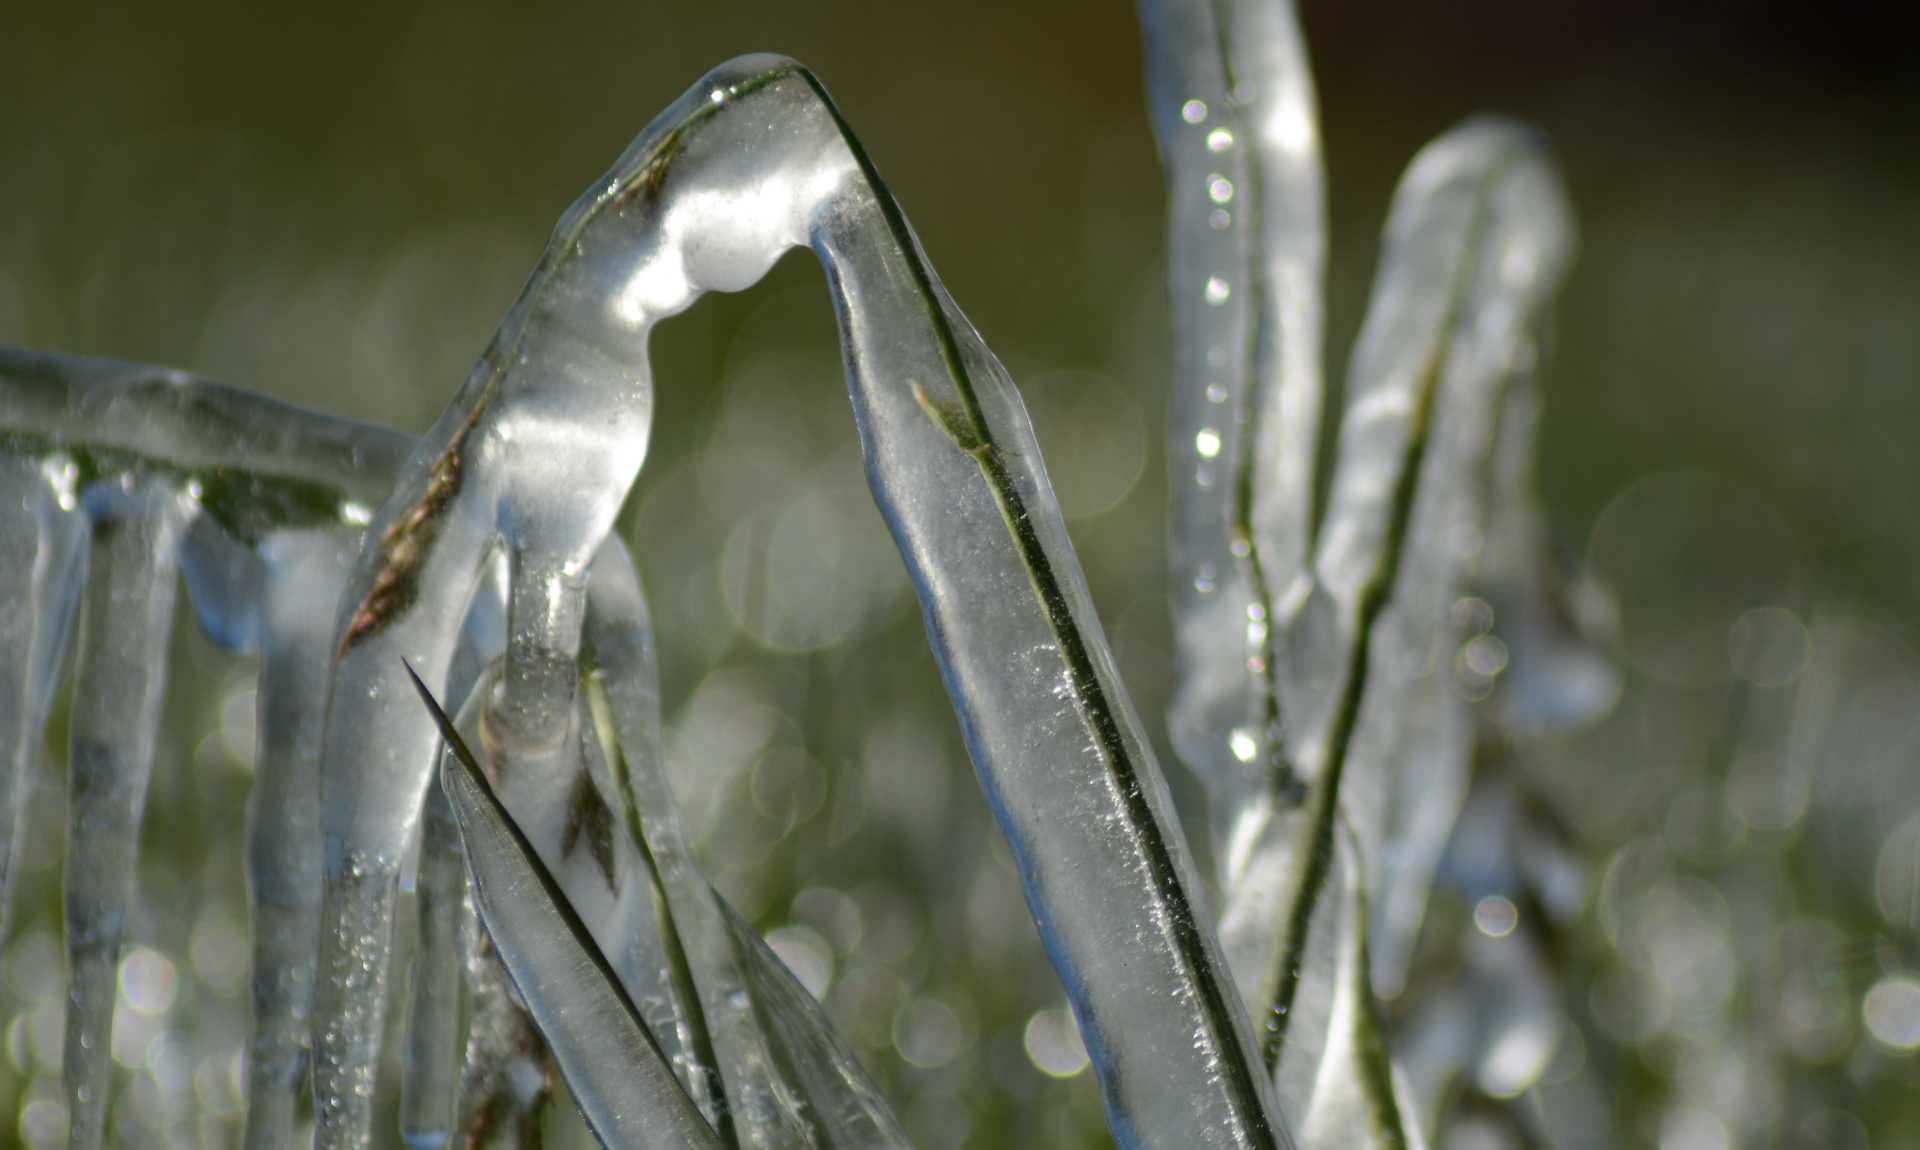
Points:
(538, 452)
(1233, 108)
(618, 1073)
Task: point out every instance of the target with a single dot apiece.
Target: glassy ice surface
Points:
(1233, 107)
(537, 452)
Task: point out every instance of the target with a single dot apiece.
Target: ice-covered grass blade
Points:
(1234, 111)
(1469, 248)
(619, 1076)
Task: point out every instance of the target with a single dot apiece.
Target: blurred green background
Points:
(336, 204)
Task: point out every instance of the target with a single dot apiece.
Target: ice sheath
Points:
(1234, 112)
(536, 455)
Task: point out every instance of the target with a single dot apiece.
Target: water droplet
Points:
(1219, 140)
(1053, 1043)
(1207, 443)
(1892, 1012)
(1203, 475)
(1243, 744)
(1217, 290)
(1220, 219)
(1193, 111)
(1219, 189)
(1216, 393)
(1203, 579)
(1496, 916)
(1484, 656)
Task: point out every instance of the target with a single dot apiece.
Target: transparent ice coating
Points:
(1234, 110)
(252, 464)
(1348, 1093)
(43, 541)
(1332, 1074)
(1469, 318)
(537, 452)
(620, 1077)
(120, 674)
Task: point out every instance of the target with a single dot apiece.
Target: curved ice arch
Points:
(537, 453)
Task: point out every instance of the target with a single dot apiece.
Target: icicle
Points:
(1234, 110)
(305, 571)
(541, 446)
(43, 540)
(120, 683)
(254, 466)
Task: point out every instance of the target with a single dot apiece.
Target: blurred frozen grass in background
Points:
(335, 206)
